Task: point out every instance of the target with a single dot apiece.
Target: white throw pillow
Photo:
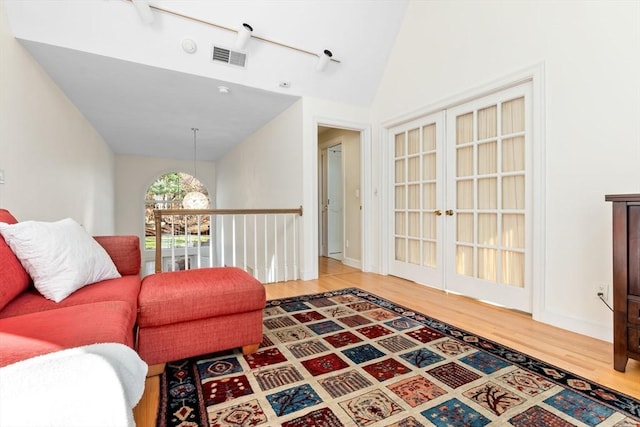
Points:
(61, 257)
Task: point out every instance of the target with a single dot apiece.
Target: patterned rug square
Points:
(351, 358)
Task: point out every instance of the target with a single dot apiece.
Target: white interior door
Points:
(416, 238)
(489, 232)
(335, 215)
(322, 203)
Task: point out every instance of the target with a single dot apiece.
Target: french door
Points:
(417, 233)
(472, 235)
(489, 186)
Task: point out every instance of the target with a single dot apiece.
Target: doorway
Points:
(339, 203)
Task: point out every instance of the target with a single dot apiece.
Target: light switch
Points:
(1, 176)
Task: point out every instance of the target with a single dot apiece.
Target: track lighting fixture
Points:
(323, 60)
(244, 34)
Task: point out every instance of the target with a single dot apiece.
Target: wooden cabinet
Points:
(626, 278)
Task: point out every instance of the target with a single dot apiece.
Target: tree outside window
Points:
(168, 192)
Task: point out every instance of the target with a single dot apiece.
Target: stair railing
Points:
(263, 242)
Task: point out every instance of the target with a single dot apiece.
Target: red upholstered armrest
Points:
(124, 251)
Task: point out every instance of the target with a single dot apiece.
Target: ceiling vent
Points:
(227, 56)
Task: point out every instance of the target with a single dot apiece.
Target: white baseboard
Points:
(308, 275)
(355, 263)
(579, 326)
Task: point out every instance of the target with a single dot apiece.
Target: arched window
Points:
(176, 190)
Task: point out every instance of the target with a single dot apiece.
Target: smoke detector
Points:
(189, 45)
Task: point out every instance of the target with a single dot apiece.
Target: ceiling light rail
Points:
(244, 34)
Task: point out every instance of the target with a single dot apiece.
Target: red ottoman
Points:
(193, 312)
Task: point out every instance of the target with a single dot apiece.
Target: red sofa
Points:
(106, 311)
(176, 314)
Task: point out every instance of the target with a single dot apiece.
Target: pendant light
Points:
(195, 199)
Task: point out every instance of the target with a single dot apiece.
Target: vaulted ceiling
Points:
(143, 92)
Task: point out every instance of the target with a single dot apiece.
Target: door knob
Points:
(449, 212)
(438, 212)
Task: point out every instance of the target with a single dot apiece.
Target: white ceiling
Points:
(143, 93)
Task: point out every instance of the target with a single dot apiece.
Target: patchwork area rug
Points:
(351, 358)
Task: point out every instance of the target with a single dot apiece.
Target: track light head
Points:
(323, 60)
(244, 34)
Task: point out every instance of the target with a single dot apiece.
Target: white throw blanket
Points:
(94, 385)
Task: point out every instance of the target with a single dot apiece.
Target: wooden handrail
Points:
(162, 212)
(159, 213)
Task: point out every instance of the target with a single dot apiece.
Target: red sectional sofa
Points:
(178, 314)
(106, 311)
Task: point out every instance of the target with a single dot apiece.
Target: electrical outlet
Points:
(602, 288)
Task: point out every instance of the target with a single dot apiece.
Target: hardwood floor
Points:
(587, 357)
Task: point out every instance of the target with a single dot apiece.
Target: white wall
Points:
(277, 167)
(56, 165)
(592, 110)
(134, 174)
(264, 171)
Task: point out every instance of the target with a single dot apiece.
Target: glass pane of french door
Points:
(416, 229)
(489, 230)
